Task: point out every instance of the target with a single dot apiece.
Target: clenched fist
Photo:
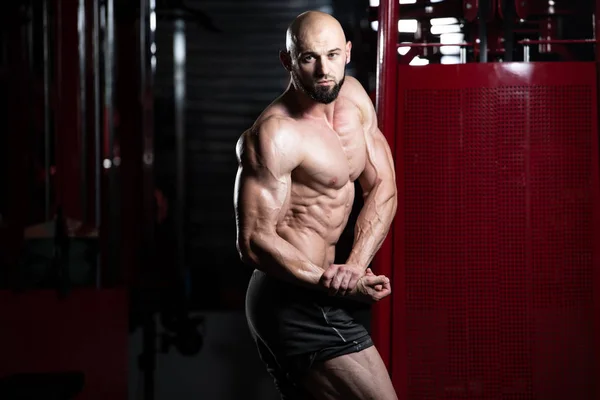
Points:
(344, 280)
(371, 288)
(341, 279)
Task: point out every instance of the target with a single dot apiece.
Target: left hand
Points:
(371, 288)
(340, 279)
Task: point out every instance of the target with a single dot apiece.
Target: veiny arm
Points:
(267, 155)
(378, 182)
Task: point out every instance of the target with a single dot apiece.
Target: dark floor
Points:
(227, 367)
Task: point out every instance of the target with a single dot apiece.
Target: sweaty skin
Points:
(295, 188)
(297, 167)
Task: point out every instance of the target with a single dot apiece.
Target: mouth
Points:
(324, 82)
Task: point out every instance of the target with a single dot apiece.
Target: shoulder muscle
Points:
(270, 146)
(358, 95)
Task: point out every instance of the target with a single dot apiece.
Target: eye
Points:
(307, 58)
(333, 55)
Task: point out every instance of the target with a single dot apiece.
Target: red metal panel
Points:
(87, 332)
(498, 244)
(387, 57)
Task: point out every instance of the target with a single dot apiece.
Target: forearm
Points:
(372, 225)
(275, 256)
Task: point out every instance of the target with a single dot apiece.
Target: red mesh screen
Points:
(497, 252)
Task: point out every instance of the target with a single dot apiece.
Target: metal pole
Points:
(387, 73)
(596, 273)
(509, 30)
(179, 83)
(81, 31)
(109, 65)
(112, 230)
(97, 132)
(143, 42)
(147, 11)
(148, 357)
(597, 29)
(483, 42)
(47, 121)
(147, 48)
(30, 102)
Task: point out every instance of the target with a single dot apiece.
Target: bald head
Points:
(316, 56)
(312, 26)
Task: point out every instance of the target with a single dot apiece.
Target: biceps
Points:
(379, 169)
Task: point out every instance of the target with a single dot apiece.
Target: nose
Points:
(322, 67)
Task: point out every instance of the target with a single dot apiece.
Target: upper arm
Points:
(267, 155)
(379, 168)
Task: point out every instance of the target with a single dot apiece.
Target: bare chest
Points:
(336, 153)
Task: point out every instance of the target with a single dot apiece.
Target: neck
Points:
(308, 107)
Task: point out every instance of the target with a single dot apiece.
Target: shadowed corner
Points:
(42, 386)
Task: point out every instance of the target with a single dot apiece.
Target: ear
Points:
(348, 51)
(286, 60)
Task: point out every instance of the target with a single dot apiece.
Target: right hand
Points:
(371, 288)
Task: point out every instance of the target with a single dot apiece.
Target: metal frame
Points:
(596, 200)
(83, 162)
(112, 233)
(385, 328)
(179, 85)
(47, 109)
(147, 37)
(387, 63)
(97, 131)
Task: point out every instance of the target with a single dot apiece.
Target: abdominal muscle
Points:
(314, 220)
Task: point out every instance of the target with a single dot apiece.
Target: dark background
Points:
(81, 211)
(232, 76)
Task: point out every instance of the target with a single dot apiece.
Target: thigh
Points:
(354, 376)
(286, 386)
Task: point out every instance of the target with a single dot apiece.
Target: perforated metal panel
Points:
(499, 173)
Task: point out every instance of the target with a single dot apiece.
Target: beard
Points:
(320, 94)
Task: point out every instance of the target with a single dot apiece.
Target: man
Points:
(293, 195)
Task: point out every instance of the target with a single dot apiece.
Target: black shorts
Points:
(295, 327)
